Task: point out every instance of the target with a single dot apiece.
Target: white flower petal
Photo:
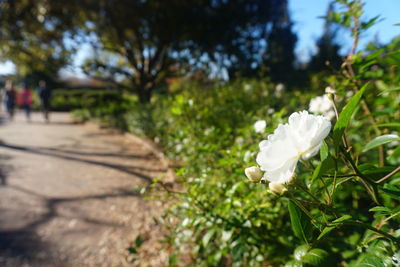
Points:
(308, 131)
(301, 137)
(284, 174)
(275, 151)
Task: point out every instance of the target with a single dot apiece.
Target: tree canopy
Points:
(152, 39)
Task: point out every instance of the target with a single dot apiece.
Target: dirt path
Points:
(69, 193)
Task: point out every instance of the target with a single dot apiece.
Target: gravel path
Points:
(69, 194)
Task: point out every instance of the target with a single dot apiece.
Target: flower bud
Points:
(277, 188)
(254, 174)
(259, 126)
(329, 90)
(330, 93)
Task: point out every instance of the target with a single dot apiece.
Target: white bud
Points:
(259, 126)
(254, 174)
(270, 111)
(329, 90)
(277, 188)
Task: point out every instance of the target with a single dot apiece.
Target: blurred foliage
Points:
(343, 209)
(32, 37)
(222, 220)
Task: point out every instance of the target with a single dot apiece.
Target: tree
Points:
(158, 39)
(151, 39)
(279, 57)
(31, 36)
(327, 46)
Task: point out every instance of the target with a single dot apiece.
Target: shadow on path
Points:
(25, 245)
(4, 169)
(132, 170)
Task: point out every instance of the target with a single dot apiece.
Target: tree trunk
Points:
(144, 95)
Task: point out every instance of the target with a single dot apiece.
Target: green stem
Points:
(368, 184)
(306, 212)
(369, 227)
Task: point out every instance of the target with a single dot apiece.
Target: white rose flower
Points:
(322, 105)
(259, 126)
(300, 138)
(253, 173)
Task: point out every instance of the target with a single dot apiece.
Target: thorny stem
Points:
(327, 192)
(388, 175)
(382, 223)
(328, 206)
(334, 183)
(306, 212)
(337, 118)
(306, 191)
(349, 65)
(339, 175)
(368, 184)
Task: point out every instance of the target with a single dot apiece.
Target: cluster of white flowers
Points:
(322, 105)
(300, 138)
(259, 126)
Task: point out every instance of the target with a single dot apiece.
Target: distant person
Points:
(45, 94)
(26, 101)
(10, 98)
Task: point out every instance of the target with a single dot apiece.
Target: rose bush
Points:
(342, 209)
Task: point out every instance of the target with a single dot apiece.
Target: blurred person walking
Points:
(44, 94)
(10, 99)
(26, 101)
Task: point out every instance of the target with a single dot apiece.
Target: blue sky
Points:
(308, 26)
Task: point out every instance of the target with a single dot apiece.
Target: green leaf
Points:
(395, 154)
(342, 219)
(300, 251)
(381, 140)
(138, 241)
(317, 257)
(381, 209)
(324, 151)
(377, 173)
(301, 224)
(132, 250)
(207, 237)
(326, 164)
(390, 90)
(369, 260)
(369, 23)
(294, 264)
(366, 166)
(389, 125)
(392, 191)
(334, 224)
(345, 115)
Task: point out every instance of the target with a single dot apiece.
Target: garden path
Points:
(69, 193)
